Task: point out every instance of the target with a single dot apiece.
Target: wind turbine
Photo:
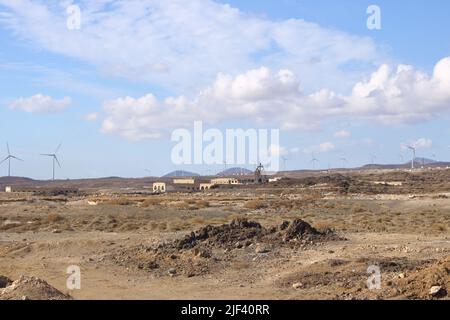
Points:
(314, 160)
(285, 160)
(344, 161)
(9, 157)
(414, 156)
(54, 159)
(373, 158)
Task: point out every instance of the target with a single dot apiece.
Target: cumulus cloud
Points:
(40, 104)
(91, 116)
(321, 148)
(342, 134)
(169, 41)
(421, 143)
(275, 98)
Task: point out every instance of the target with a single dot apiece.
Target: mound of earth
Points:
(31, 288)
(4, 282)
(419, 284)
(224, 235)
(241, 232)
(215, 247)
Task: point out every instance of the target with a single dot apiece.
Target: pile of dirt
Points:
(418, 284)
(4, 282)
(31, 288)
(239, 230)
(216, 247)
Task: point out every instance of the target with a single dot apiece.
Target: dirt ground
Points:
(298, 240)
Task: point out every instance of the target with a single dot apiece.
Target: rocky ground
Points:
(310, 240)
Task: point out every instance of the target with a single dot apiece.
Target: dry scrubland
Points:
(310, 237)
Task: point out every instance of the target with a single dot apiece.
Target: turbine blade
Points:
(57, 149)
(57, 161)
(46, 155)
(4, 159)
(7, 147)
(14, 157)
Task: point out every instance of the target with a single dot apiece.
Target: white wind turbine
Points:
(54, 159)
(344, 162)
(314, 161)
(413, 149)
(8, 158)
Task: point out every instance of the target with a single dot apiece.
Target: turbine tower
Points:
(414, 156)
(54, 159)
(314, 161)
(344, 162)
(285, 159)
(9, 157)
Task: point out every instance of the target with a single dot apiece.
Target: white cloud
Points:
(265, 97)
(342, 134)
(40, 104)
(321, 148)
(277, 151)
(421, 143)
(91, 116)
(166, 42)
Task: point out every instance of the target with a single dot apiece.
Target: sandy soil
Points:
(112, 242)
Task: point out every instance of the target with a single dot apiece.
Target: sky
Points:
(114, 80)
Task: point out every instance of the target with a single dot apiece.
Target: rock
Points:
(56, 231)
(401, 276)
(262, 249)
(437, 291)
(172, 271)
(297, 285)
(5, 282)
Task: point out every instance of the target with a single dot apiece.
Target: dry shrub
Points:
(182, 206)
(241, 265)
(120, 201)
(203, 204)
(255, 204)
(323, 225)
(198, 220)
(357, 208)
(150, 202)
(162, 226)
(439, 227)
(179, 225)
(54, 217)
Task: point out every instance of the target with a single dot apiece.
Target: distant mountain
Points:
(180, 173)
(423, 161)
(418, 162)
(235, 172)
(15, 181)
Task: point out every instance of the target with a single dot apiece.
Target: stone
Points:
(437, 291)
(262, 249)
(297, 285)
(172, 271)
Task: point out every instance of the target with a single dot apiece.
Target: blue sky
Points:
(113, 90)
